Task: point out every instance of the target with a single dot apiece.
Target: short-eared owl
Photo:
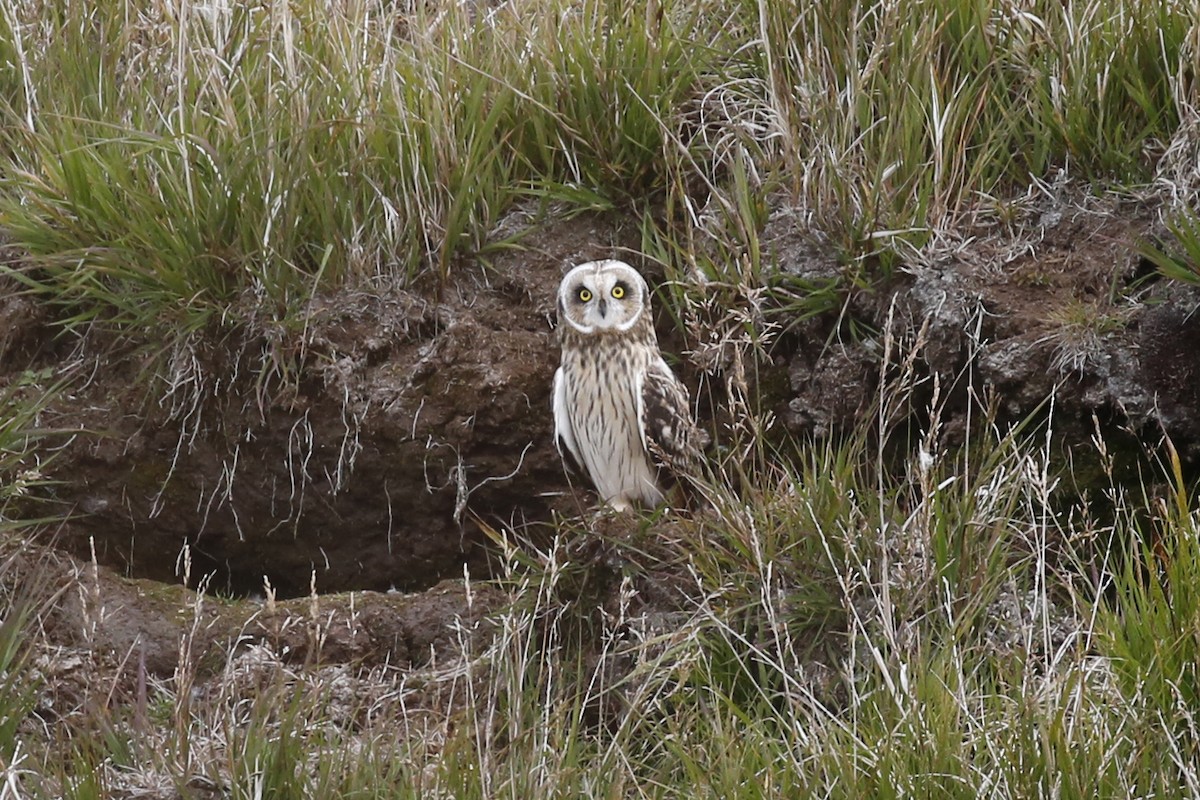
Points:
(618, 409)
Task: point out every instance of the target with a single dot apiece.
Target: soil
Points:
(1062, 310)
(103, 637)
(374, 448)
(409, 419)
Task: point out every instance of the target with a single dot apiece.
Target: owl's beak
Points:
(603, 309)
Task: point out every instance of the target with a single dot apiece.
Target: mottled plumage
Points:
(619, 411)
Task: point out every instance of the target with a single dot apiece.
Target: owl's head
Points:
(602, 296)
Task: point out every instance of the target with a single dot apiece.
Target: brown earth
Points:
(1064, 307)
(101, 638)
(412, 416)
(415, 416)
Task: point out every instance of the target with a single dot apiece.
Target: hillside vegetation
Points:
(868, 614)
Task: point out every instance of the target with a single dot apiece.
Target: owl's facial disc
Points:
(602, 296)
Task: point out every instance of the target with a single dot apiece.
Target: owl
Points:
(619, 411)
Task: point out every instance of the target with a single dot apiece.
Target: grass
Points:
(840, 631)
(24, 450)
(295, 147)
(869, 616)
(1179, 259)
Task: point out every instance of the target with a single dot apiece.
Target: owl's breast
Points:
(602, 386)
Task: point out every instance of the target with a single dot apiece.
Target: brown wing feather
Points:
(671, 435)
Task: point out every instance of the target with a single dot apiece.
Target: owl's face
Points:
(602, 296)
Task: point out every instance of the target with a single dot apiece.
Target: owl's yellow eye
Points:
(618, 291)
(585, 295)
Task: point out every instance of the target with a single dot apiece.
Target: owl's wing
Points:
(664, 410)
(562, 421)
